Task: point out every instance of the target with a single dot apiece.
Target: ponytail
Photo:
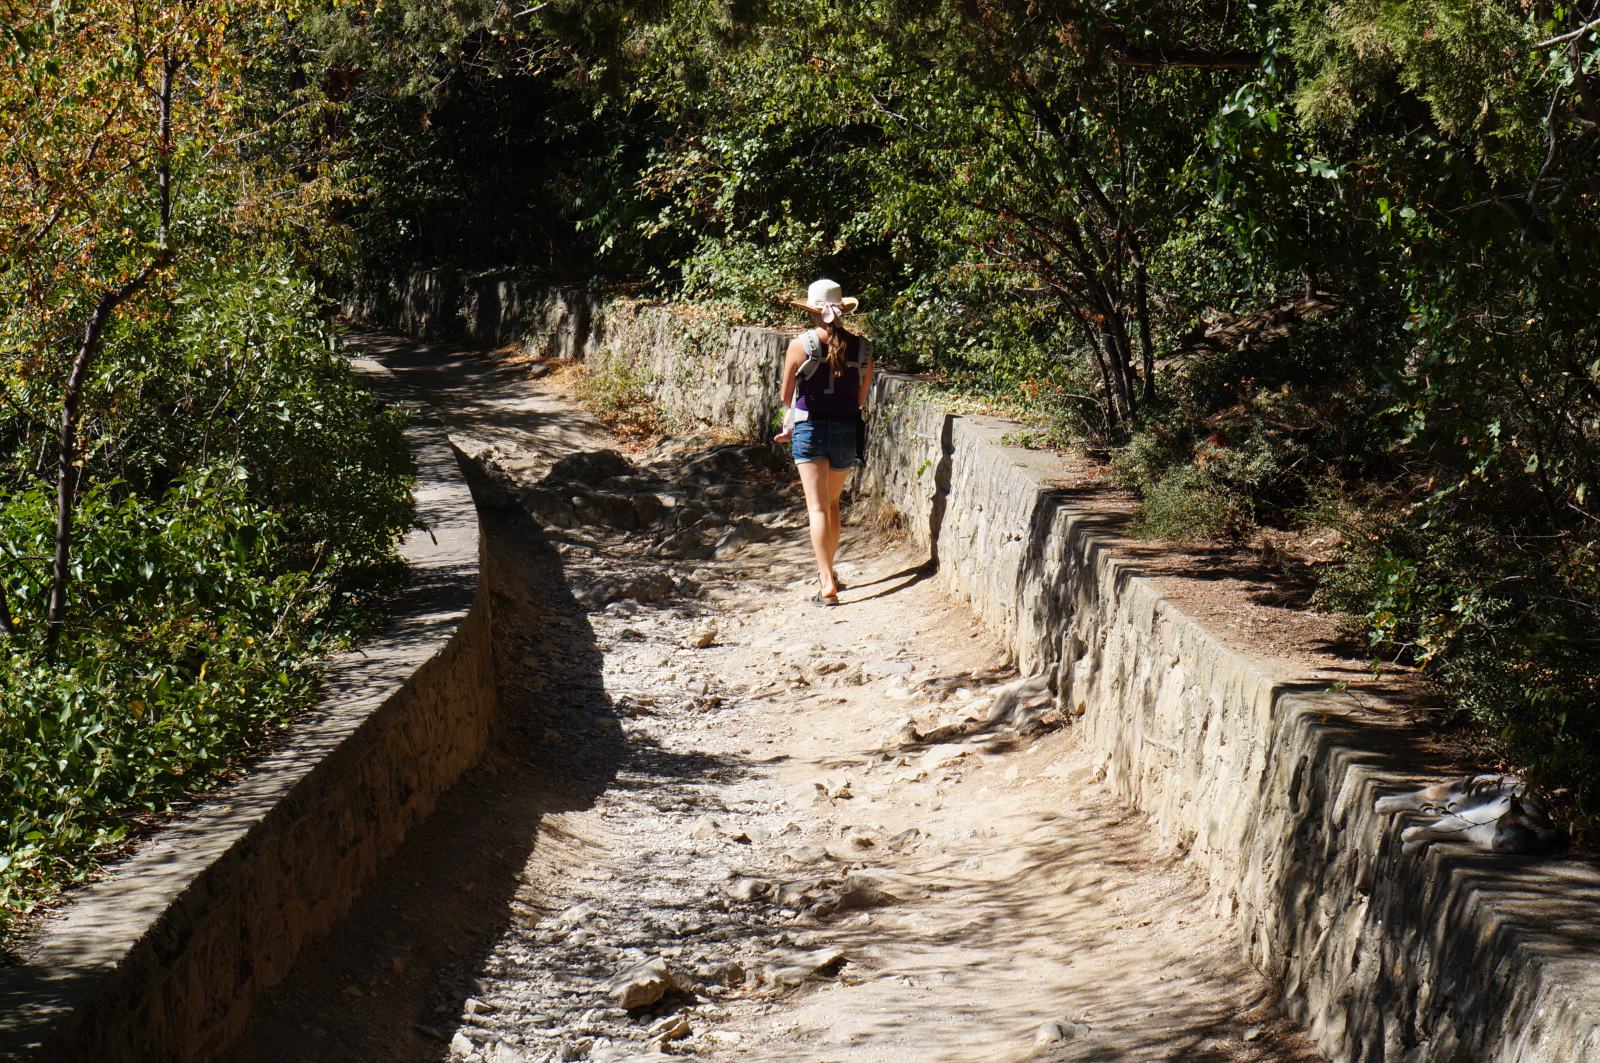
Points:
(838, 348)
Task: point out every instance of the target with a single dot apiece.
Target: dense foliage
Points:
(191, 483)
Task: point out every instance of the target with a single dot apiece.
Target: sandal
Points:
(820, 599)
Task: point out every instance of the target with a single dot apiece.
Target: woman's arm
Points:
(791, 365)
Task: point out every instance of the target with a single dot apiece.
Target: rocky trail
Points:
(723, 824)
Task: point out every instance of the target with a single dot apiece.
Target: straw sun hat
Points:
(827, 298)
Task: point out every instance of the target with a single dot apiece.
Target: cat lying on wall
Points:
(1491, 811)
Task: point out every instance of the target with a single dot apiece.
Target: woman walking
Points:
(826, 373)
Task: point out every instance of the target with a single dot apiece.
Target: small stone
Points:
(797, 894)
(903, 839)
(651, 588)
(641, 985)
(837, 787)
(796, 967)
(700, 638)
(748, 889)
(904, 733)
(1252, 1033)
(725, 972)
(577, 915)
(1057, 1030)
(807, 854)
(461, 1046)
(474, 1006)
(671, 1028)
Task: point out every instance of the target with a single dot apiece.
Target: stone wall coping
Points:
(152, 899)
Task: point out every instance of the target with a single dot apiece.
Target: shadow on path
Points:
(390, 981)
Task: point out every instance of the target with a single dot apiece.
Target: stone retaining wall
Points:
(1251, 766)
(161, 960)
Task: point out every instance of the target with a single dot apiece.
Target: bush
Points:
(194, 644)
(619, 392)
(1183, 504)
(1469, 588)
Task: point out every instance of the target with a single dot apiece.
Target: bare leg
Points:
(836, 479)
(814, 478)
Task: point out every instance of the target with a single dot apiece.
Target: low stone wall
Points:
(1265, 780)
(489, 310)
(161, 960)
(1251, 766)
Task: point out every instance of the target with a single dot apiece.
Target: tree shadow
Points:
(390, 981)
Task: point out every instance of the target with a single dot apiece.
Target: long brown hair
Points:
(838, 346)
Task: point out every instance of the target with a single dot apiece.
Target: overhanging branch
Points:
(1186, 58)
(1570, 35)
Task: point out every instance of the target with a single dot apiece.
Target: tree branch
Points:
(88, 348)
(1570, 35)
(67, 450)
(1185, 58)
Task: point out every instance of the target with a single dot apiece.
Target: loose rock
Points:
(670, 1028)
(748, 889)
(700, 638)
(1058, 1030)
(795, 967)
(642, 985)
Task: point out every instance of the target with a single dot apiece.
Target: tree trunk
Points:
(83, 362)
(1141, 309)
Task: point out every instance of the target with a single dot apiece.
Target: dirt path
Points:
(804, 814)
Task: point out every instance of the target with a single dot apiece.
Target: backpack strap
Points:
(812, 345)
(814, 354)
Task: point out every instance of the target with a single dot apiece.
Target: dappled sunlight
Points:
(694, 760)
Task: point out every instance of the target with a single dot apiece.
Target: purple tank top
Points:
(832, 396)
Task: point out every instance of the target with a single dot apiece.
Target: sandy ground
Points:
(801, 812)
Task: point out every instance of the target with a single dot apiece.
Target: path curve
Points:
(802, 813)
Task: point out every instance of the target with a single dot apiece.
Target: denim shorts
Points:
(833, 441)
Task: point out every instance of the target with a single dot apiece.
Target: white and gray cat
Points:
(1490, 811)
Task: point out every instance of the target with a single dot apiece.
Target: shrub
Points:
(619, 392)
(1472, 591)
